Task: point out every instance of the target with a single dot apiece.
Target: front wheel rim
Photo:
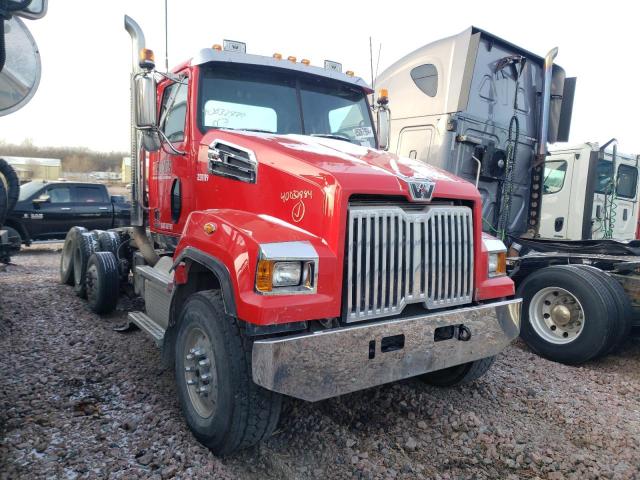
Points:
(556, 315)
(200, 374)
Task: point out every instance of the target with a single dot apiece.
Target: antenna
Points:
(166, 37)
(378, 61)
(373, 87)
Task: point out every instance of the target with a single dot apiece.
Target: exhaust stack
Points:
(139, 231)
(546, 103)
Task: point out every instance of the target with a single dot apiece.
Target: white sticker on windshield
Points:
(362, 133)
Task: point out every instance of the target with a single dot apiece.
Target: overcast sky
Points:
(86, 53)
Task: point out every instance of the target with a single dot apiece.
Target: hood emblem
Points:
(421, 190)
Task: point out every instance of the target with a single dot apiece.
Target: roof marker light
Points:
(331, 65)
(233, 46)
(350, 73)
(277, 56)
(217, 47)
(305, 61)
(291, 58)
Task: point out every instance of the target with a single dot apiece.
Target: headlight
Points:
(497, 255)
(286, 274)
(287, 268)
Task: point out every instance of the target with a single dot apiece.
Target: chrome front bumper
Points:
(325, 364)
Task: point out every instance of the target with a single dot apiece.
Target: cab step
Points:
(147, 324)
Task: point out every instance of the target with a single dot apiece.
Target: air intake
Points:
(232, 161)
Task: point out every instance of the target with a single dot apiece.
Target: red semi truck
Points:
(279, 252)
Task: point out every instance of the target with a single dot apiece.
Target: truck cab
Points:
(484, 109)
(589, 192)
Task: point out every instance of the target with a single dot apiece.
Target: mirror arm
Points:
(166, 141)
(181, 79)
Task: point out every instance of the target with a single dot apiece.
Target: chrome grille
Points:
(397, 257)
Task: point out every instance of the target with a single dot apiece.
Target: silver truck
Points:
(485, 109)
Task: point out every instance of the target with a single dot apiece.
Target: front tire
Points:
(224, 408)
(568, 316)
(459, 374)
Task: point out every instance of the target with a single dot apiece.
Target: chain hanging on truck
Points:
(506, 197)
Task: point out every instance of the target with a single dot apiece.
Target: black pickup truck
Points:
(47, 210)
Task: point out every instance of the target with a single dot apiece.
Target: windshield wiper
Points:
(259, 130)
(333, 136)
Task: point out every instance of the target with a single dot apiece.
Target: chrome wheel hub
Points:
(556, 315)
(200, 373)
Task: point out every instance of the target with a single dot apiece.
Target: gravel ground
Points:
(78, 400)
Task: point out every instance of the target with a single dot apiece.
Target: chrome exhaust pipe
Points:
(137, 44)
(546, 103)
(140, 237)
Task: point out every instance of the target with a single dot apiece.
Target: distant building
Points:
(105, 176)
(126, 170)
(29, 168)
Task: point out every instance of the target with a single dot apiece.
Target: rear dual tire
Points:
(572, 314)
(86, 245)
(102, 282)
(66, 257)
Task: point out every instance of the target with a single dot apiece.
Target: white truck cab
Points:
(589, 193)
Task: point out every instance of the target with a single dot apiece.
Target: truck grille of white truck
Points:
(397, 257)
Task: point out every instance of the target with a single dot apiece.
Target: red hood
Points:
(356, 169)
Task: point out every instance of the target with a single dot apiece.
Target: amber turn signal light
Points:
(264, 276)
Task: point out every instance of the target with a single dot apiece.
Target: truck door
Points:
(601, 199)
(92, 207)
(415, 142)
(52, 215)
(556, 198)
(624, 222)
(172, 171)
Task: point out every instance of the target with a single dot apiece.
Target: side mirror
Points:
(41, 199)
(34, 10)
(384, 127)
(145, 102)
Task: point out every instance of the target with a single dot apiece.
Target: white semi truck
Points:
(485, 109)
(590, 192)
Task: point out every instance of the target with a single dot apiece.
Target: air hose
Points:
(506, 197)
(610, 211)
(507, 185)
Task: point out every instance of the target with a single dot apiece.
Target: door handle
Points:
(65, 208)
(559, 223)
(103, 208)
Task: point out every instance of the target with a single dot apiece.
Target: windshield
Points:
(249, 97)
(29, 189)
